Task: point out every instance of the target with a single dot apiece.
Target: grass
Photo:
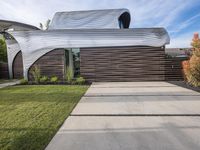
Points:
(31, 115)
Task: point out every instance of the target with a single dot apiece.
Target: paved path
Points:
(2, 85)
(134, 115)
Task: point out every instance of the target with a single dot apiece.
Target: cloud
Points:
(172, 14)
(182, 41)
(185, 24)
(143, 11)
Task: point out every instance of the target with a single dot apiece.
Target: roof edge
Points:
(19, 24)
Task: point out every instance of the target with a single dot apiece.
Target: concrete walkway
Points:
(134, 115)
(2, 85)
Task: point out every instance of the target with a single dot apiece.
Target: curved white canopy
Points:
(92, 19)
(17, 26)
(34, 44)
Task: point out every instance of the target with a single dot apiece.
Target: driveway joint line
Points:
(135, 115)
(134, 95)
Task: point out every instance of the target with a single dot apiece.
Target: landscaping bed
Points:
(30, 115)
(54, 83)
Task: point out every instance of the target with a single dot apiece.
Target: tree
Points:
(191, 67)
(45, 26)
(3, 51)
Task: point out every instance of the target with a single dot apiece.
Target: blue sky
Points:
(181, 18)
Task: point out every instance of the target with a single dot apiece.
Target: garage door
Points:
(123, 64)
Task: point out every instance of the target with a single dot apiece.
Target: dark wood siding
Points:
(174, 69)
(18, 66)
(4, 70)
(51, 64)
(123, 64)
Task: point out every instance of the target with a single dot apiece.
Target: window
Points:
(76, 61)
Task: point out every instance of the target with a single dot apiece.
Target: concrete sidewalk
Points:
(9, 84)
(133, 115)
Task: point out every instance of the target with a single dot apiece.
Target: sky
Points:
(181, 18)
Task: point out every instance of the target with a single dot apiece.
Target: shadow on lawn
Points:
(27, 97)
(27, 139)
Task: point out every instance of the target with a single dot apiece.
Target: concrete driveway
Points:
(132, 116)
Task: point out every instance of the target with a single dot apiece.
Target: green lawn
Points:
(31, 115)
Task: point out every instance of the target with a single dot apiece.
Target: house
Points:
(96, 44)
(173, 63)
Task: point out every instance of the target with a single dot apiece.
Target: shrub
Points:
(194, 71)
(73, 82)
(54, 79)
(80, 80)
(69, 75)
(44, 79)
(23, 82)
(191, 68)
(36, 74)
(186, 69)
(3, 50)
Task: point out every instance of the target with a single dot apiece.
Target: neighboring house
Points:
(96, 44)
(178, 52)
(173, 62)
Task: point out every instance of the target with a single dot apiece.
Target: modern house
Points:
(96, 44)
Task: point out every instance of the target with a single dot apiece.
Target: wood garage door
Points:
(122, 64)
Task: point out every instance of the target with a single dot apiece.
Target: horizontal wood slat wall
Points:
(109, 64)
(18, 66)
(51, 64)
(4, 70)
(174, 69)
(123, 64)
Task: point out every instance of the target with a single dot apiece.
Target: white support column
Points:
(71, 62)
(12, 50)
